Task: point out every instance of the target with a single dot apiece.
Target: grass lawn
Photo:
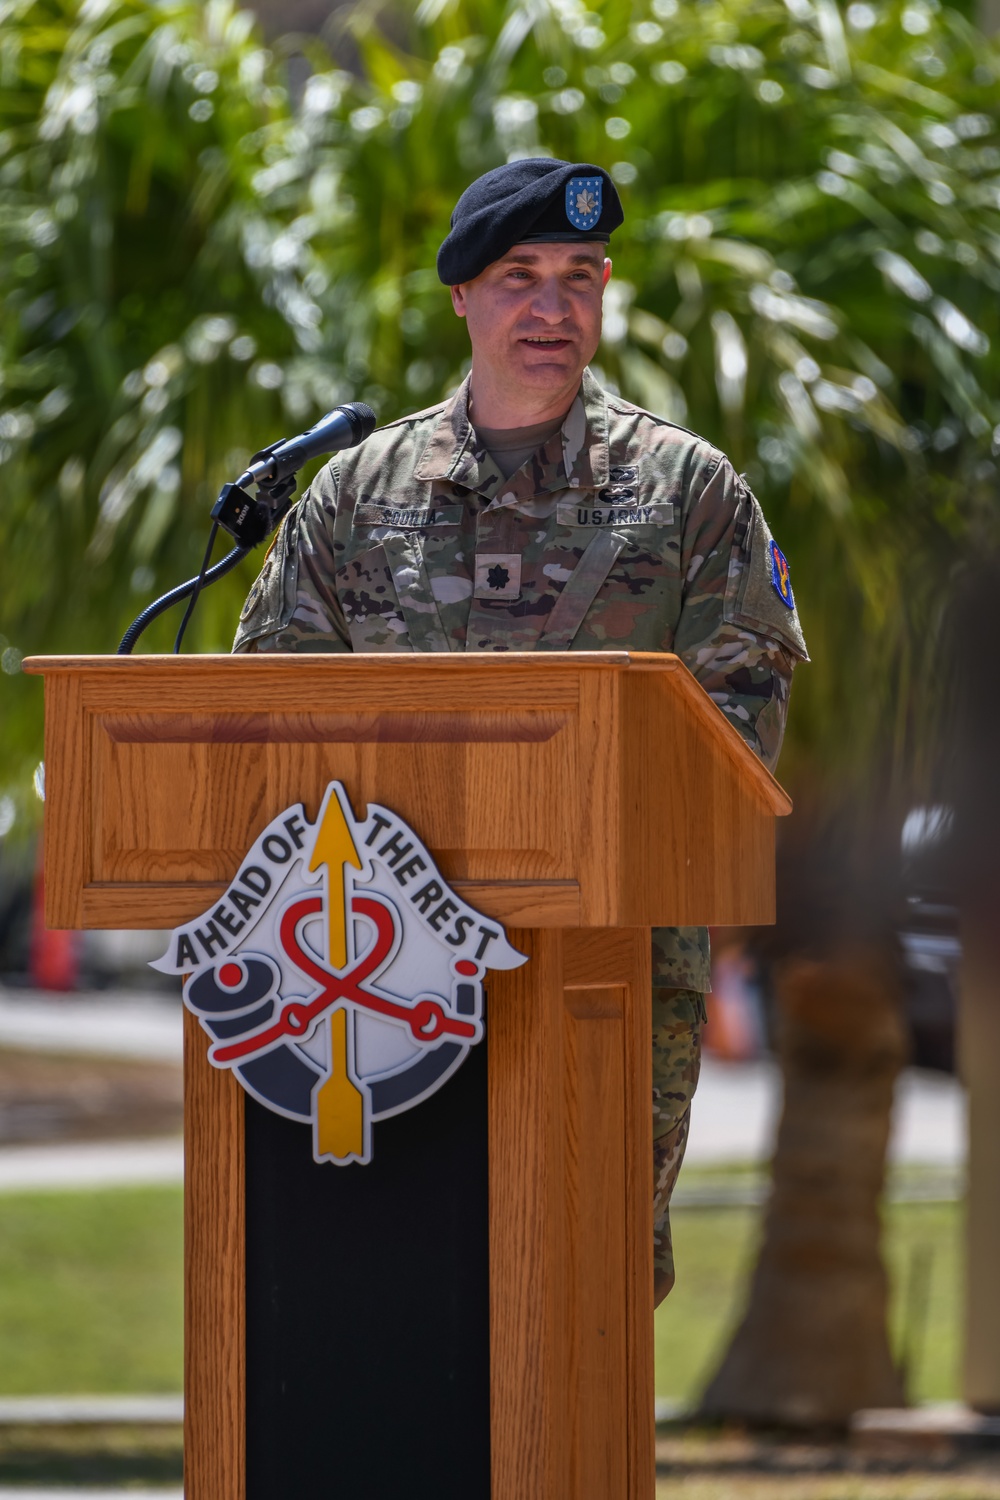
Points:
(90, 1301)
(714, 1249)
(90, 1291)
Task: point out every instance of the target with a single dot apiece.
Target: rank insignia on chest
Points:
(498, 575)
(780, 576)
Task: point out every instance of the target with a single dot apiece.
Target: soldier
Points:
(534, 510)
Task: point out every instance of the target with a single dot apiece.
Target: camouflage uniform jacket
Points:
(622, 531)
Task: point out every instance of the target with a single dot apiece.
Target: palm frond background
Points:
(192, 262)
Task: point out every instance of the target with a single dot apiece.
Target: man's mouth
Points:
(545, 342)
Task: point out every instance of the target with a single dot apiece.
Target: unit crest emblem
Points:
(340, 977)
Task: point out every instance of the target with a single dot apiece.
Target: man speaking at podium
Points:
(534, 510)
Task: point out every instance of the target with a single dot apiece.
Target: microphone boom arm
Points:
(182, 591)
(249, 519)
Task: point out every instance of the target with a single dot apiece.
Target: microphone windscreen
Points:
(365, 419)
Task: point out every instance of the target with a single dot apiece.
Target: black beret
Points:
(535, 199)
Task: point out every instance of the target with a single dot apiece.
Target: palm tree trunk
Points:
(813, 1344)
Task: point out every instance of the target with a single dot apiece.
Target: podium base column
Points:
(571, 1235)
(214, 1276)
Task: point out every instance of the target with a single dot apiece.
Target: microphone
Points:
(249, 520)
(343, 427)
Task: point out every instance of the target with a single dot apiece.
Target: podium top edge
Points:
(269, 667)
(351, 661)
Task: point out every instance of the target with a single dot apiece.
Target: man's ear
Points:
(458, 299)
(606, 276)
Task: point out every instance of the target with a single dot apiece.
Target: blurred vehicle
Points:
(930, 937)
(35, 957)
(740, 1009)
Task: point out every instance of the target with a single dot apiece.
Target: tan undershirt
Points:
(510, 447)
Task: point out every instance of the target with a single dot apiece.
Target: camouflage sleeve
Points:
(740, 637)
(293, 605)
(738, 633)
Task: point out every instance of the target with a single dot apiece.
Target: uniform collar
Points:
(575, 457)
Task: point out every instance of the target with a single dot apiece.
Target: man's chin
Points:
(541, 370)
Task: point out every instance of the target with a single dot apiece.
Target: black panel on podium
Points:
(412, 1421)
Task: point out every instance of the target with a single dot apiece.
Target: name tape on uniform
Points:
(370, 513)
(572, 513)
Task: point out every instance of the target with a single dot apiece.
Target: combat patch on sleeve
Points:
(758, 590)
(271, 601)
(780, 576)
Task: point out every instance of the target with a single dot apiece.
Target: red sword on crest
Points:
(427, 1019)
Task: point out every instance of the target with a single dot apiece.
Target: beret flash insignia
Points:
(583, 201)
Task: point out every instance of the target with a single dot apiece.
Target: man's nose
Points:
(550, 301)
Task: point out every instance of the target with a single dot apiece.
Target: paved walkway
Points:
(91, 1164)
(733, 1120)
(88, 1494)
(90, 1411)
(734, 1117)
(118, 1024)
(736, 1110)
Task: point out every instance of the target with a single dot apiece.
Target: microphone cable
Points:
(150, 613)
(198, 584)
(248, 520)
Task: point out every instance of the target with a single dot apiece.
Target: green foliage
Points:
(134, 304)
(808, 275)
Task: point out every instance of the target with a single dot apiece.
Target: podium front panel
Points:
(468, 1313)
(556, 789)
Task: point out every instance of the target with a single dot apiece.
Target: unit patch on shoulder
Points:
(780, 577)
(583, 201)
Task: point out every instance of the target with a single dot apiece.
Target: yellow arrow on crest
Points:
(340, 1104)
(334, 847)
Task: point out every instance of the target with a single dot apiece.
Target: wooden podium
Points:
(469, 1316)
